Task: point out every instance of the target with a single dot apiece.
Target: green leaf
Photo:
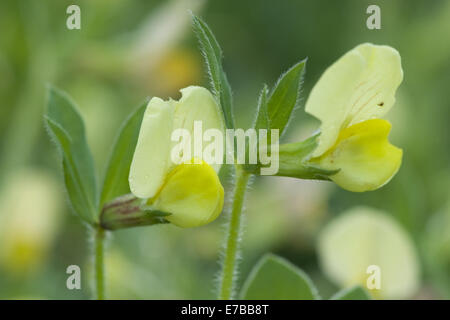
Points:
(284, 97)
(352, 293)
(262, 120)
(213, 58)
(274, 278)
(66, 127)
(115, 182)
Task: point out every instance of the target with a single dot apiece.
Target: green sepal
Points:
(294, 161)
(127, 211)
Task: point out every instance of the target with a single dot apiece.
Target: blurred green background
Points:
(128, 50)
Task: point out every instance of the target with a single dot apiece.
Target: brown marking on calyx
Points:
(128, 210)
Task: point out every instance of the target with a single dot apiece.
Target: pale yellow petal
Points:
(375, 93)
(329, 100)
(192, 194)
(365, 237)
(361, 85)
(150, 161)
(363, 155)
(198, 104)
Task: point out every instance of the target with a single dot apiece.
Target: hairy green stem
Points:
(99, 263)
(229, 263)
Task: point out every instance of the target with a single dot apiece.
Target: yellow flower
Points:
(349, 99)
(363, 237)
(191, 191)
(29, 220)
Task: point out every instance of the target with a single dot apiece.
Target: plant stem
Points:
(99, 263)
(229, 263)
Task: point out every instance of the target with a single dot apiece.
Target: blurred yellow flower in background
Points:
(177, 69)
(364, 237)
(156, 57)
(29, 217)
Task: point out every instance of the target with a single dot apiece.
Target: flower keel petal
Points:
(363, 155)
(192, 194)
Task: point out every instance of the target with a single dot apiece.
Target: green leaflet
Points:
(262, 120)
(284, 97)
(274, 278)
(352, 293)
(275, 110)
(115, 182)
(66, 127)
(213, 58)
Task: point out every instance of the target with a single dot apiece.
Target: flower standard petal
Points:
(375, 94)
(361, 85)
(330, 97)
(150, 161)
(198, 104)
(363, 155)
(152, 158)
